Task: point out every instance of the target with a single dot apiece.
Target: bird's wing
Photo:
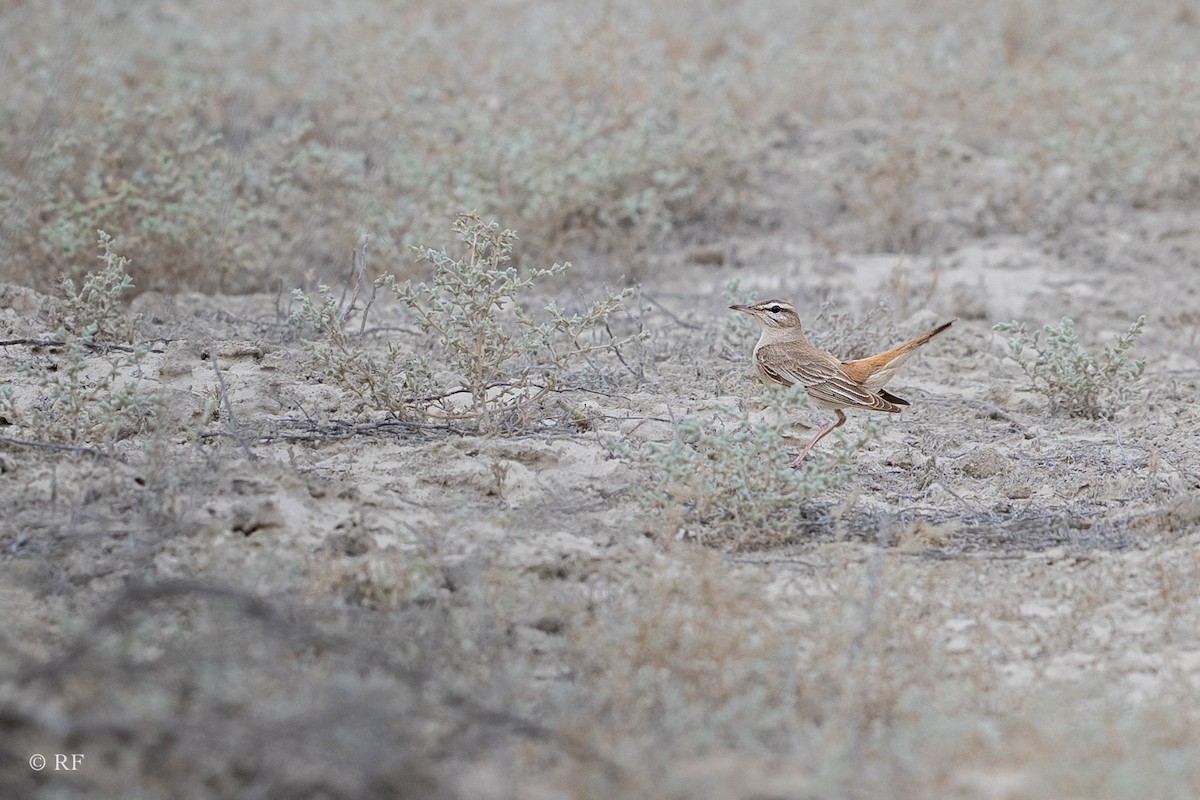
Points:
(821, 375)
(874, 372)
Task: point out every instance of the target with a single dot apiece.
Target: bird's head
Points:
(773, 314)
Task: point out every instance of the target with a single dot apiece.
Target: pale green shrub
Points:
(1074, 381)
(725, 479)
(492, 358)
(90, 390)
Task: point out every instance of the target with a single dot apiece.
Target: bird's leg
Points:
(841, 420)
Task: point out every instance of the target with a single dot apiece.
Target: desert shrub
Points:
(725, 480)
(94, 310)
(267, 151)
(396, 381)
(493, 359)
(271, 146)
(145, 168)
(84, 396)
(614, 181)
(1074, 381)
(89, 390)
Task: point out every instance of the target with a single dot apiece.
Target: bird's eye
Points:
(774, 309)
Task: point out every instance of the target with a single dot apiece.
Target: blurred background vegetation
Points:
(238, 147)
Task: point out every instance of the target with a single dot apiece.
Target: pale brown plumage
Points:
(784, 356)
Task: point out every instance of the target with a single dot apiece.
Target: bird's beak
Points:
(747, 309)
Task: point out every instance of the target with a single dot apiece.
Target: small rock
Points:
(179, 362)
(984, 462)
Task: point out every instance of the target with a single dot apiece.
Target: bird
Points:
(784, 356)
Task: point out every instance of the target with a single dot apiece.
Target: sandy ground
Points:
(999, 602)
